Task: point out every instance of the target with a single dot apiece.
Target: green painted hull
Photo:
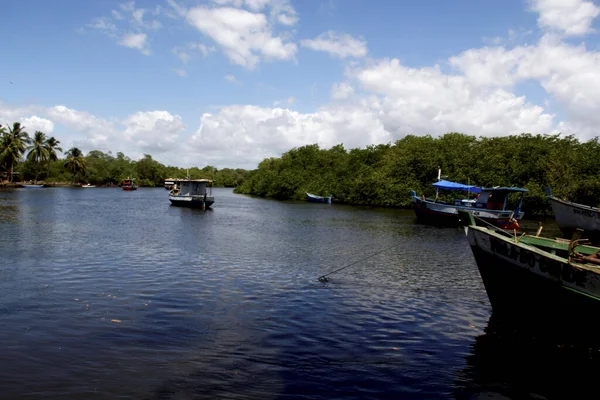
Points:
(533, 277)
(514, 290)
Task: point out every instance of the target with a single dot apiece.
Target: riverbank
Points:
(14, 185)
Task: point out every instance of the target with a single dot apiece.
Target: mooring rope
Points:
(323, 278)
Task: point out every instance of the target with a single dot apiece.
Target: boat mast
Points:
(439, 179)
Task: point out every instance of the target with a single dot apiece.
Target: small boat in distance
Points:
(128, 184)
(87, 185)
(569, 216)
(313, 198)
(192, 193)
(33, 186)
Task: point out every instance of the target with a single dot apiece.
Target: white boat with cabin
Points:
(193, 193)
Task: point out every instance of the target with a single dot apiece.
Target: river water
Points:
(109, 294)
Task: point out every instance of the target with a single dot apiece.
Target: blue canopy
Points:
(456, 186)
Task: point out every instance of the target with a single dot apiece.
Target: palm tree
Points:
(3, 133)
(52, 146)
(38, 152)
(13, 146)
(75, 162)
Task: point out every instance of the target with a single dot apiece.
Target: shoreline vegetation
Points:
(383, 175)
(34, 160)
(377, 175)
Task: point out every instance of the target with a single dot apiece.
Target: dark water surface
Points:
(109, 294)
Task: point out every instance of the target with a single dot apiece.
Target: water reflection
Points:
(9, 208)
(517, 359)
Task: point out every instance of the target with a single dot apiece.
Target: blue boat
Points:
(33, 186)
(313, 198)
(489, 205)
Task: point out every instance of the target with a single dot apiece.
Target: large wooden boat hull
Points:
(569, 216)
(522, 279)
(192, 201)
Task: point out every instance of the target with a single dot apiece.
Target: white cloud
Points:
(253, 133)
(569, 17)
(181, 72)
(78, 120)
(341, 91)
(233, 80)
(180, 11)
(570, 74)
(136, 41)
(104, 25)
(35, 123)
(184, 53)
(116, 14)
(336, 44)
(281, 11)
(244, 36)
(154, 131)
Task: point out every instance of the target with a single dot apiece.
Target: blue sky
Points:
(229, 82)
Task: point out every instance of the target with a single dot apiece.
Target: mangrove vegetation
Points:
(384, 175)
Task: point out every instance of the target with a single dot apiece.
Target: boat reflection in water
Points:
(533, 359)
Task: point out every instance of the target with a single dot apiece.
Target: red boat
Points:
(128, 184)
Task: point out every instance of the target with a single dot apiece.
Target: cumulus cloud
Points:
(35, 123)
(569, 17)
(378, 100)
(136, 41)
(153, 131)
(251, 133)
(337, 44)
(244, 36)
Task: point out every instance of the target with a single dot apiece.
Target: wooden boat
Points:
(535, 275)
(191, 193)
(128, 184)
(569, 216)
(490, 205)
(313, 198)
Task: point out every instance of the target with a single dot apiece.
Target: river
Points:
(110, 294)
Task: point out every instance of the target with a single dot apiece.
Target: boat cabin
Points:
(190, 187)
(496, 198)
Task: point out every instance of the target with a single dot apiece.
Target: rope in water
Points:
(323, 278)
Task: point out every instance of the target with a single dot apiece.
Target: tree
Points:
(12, 146)
(75, 163)
(38, 150)
(52, 146)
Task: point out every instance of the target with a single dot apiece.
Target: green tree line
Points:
(35, 159)
(383, 175)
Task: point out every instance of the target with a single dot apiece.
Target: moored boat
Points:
(87, 185)
(313, 198)
(537, 276)
(569, 216)
(128, 184)
(490, 205)
(33, 186)
(192, 193)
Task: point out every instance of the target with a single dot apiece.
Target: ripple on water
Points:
(134, 298)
